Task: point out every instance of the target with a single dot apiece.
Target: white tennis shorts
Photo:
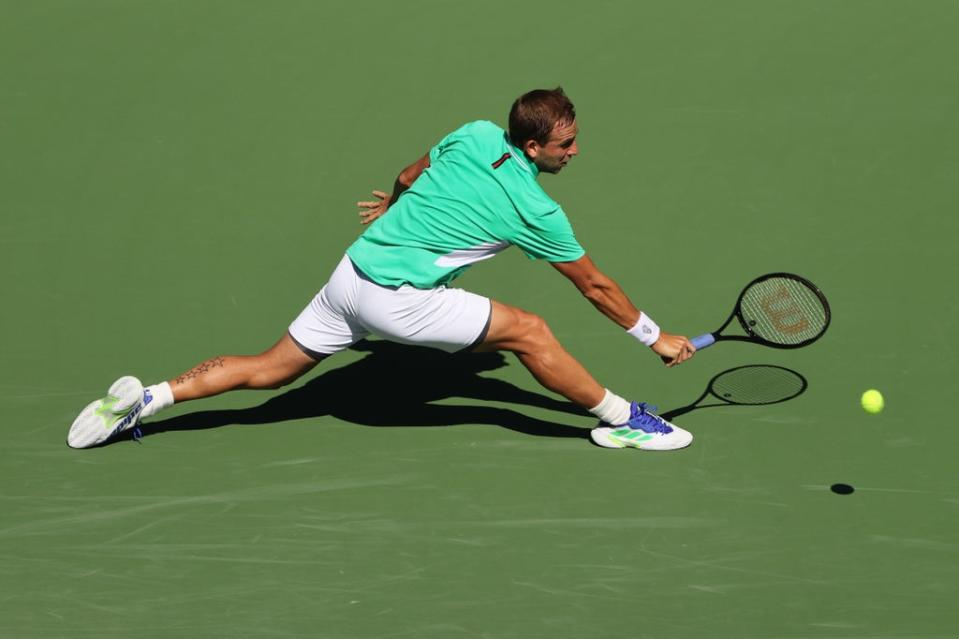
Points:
(351, 307)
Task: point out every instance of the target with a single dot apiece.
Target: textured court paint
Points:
(220, 146)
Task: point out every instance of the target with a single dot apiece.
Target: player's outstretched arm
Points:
(373, 209)
(606, 295)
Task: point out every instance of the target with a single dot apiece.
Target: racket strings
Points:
(783, 311)
(757, 385)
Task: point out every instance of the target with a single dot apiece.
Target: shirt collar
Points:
(524, 162)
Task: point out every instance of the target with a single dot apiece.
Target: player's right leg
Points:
(324, 327)
(127, 401)
(625, 424)
(274, 368)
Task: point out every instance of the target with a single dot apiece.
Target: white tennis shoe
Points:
(110, 415)
(644, 430)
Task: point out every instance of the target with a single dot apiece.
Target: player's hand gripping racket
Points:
(779, 309)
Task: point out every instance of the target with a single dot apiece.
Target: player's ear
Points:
(531, 148)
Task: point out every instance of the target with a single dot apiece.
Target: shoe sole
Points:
(108, 416)
(601, 437)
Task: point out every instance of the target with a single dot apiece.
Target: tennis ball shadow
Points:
(842, 489)
(396, 385)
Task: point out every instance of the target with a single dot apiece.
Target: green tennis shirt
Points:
(478, 197)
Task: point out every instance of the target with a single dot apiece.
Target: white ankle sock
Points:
(162, 398)
(614, 410)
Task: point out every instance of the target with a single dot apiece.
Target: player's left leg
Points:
(530, 339)
(453, 320)
(625, 424)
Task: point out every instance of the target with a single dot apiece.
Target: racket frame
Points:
(750, 336)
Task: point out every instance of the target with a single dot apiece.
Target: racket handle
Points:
(703, 341)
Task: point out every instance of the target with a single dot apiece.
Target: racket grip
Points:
(703, 341)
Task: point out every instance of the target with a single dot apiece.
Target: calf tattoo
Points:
(199, 369)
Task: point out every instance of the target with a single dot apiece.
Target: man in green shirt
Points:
(474, 194)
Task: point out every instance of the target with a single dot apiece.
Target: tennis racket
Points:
(779, 309)
(753, 385)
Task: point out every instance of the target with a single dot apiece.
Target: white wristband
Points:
(646, 330)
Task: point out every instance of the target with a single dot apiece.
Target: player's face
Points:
(558, 150)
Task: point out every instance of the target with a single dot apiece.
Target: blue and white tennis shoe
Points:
(109, 416)
(644, 430)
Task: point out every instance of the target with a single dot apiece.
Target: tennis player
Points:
(473, 195)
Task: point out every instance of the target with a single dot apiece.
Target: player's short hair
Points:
(534, 115)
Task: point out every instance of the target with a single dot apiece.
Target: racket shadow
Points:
(750, 385)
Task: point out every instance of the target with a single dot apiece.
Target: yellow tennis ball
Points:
(872, 401)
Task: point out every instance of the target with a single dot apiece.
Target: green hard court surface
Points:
(177, 179)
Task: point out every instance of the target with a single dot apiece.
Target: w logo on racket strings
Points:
(778, 309)
(783, 312)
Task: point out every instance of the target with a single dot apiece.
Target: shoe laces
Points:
(641, 417)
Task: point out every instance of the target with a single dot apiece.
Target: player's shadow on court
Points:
(396, 385)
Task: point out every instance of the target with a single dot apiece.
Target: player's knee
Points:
(536, 332)
(274, 384)
(271, 379)
(274, 369)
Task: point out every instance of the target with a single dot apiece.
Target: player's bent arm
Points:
(407, 176)
(377, 208)
(606, 295)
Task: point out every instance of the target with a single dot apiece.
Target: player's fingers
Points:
(685, 352)
(368, 205)
(381, 194)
